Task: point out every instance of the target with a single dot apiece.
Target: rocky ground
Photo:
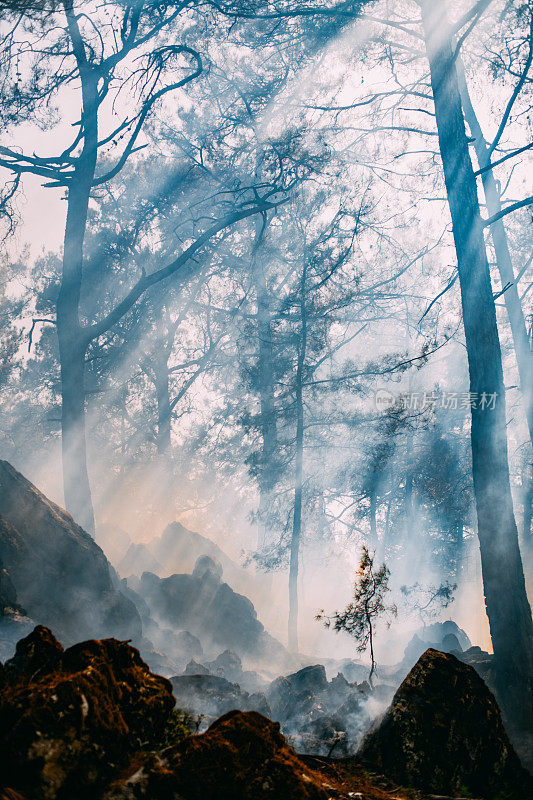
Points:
(96, 719)
(93, 721)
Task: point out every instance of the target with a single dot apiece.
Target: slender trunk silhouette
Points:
(373, 513)
(162, 391)
(265, 371)
(527, 519)
(506, 600)
(71, 338)
(298, 472)
(521, 341)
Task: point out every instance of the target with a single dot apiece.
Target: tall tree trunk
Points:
(265, 371)
(506, 600)
(159, 367)
(459, 548)
(72, 351)
(373, 512)
(523, 351)
(409, 493)
(76, 487)
(71, 337)
(527, 519)
(298, 473)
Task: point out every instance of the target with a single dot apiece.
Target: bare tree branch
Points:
(516, 92)
(509, 210)
(93, 331)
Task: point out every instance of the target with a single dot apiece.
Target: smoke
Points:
(390, 184)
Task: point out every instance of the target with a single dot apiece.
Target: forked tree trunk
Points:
(72, 351)
(506, 600)
(71, 337)
(522, 347)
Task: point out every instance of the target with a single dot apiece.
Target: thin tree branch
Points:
(516, 92)
(509, 210)
(98, 328)
(440, 294)
(476, 11)
(493, 164)
(146, 110)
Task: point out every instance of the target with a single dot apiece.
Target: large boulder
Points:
(136, 560)
(61, 577)
(14, 623)
(228, 665)
(211, 696)
(179, 549)
(113, 540)
(69, 719)
(482, 662)
(445, 636)
(309, 679)
(204, 605)
(443, 733)
(320, 716)
(242, 756)
(37, 653)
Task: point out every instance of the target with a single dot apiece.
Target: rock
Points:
(324, 736)
(228, 664)
(437, 631)
(450, 644)
(12, 549)
(443, 733)
(194, 668)
(323, 731)
(179, 550)
(69, 718)
(339, 684)
(445, 636)
(317, 714)
(35, 654)
(212, 695)
(209, 609)
(113, 540)
(136, 560)
(353, 706)
(60, 575)
(294, 695)
(242, 756)
(14, 623)
(8, 594)
(207, 564)
(187, 645)
(480, 660)
(281, 698)
(309, 679)
(353, 671)
(179, 646)
(253, 681)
